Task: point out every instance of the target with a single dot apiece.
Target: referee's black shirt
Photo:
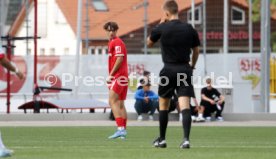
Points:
(177, 39)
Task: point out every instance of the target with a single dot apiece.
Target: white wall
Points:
(55, 31)
(238, 101)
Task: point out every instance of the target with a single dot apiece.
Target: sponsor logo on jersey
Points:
(118, 49)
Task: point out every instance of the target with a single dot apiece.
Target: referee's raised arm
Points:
(156, 32)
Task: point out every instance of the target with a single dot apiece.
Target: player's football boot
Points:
(119, 134)
(5, 152)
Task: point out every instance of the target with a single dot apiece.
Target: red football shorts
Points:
(119, 87)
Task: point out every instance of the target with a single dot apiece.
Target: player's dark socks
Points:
(186, 123)
(163, 122)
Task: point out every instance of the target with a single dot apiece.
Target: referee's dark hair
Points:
(111, 26)
(171, 6)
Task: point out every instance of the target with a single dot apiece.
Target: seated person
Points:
(196, 110)
(212, 101)
(174, 105)
(146, 101)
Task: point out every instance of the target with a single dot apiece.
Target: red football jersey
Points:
(116, 48)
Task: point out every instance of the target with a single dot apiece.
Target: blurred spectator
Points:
(173, 104)
(212, 101)
(4, 152)
(146, 102)
(196, 109)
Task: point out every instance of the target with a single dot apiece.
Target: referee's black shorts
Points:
(176, 77)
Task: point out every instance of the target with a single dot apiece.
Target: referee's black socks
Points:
(163, 122)
(186, 123)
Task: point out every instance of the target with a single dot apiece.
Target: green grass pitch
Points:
(92, 143)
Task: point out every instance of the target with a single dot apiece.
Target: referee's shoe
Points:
(159, 143)
(185, 145)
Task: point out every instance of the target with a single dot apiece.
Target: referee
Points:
(178, 39)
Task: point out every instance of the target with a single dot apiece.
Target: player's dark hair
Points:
(111, 26)
(171, 6)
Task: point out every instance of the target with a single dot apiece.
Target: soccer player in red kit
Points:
(4, 152)
(7, 64)
(118, 78)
